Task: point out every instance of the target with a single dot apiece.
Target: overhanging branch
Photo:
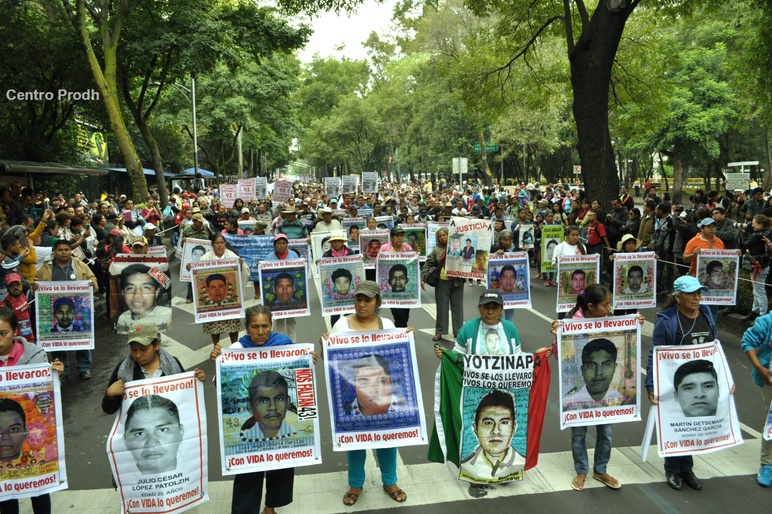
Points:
(526, 47)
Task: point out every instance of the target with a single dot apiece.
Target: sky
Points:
(331, 30)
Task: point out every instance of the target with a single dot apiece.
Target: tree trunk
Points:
(592, 58)
(484, 158)
(679, 176)
(108, 87)
(158, 165)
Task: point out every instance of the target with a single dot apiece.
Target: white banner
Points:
(718, 271)
(575, 273)
(399, 278)
(158, 445)
(369, 182)
(33, 460)
(192, 251)
(284, 287)
(65, 315)
(246, 189)
(468, 246)
(254, 436)
(635, 281)
(228, 194)
(374, 390)
(599, 378)
(332, 187)
(261, 188)
(339, 277)
(218, 291)
(282, 191)
(349, 184)
(696, 412)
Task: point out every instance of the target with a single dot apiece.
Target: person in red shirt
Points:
(18, 301)
(596, 234)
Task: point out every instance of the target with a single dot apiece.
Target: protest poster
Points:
(140, 291)
(284, 286)
(696, 411)
(266, 220)
(497, 385)
(250, 439)
(157, 446)
(526, 236)
(64, 312)
(510, 273)
(218, 292)
(261, 188)
(369, 182)
(469, 242)
(374, 390)
(415, 236)
(370, 242)
(319, 244)
(247, 227)
(495, 399)
(575, 273)
(157, 251)
(717, 270)
(384, 222)
(599, 370)
(246, 189)
(431, 234)
(282, 191)
(399, 278)
(302, 248)
(228, 194)
(252, 249)
(332, 187)
(551, 236)
(352, 227)
(339, 278)
(192, 251)
(348, 184)
(33, 460)
(635, 280)
(365, 213)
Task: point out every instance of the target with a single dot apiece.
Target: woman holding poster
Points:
(397, 244)
(338, 248)
(367, 299)
(598, 368)
(683, 321)
(229, 326)
(16, 351)
(571, 246)
(281, 252)
(146, 359)
(449, 291)
(272, 391)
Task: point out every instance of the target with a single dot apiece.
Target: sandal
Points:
(607, 480)
(437, 337)
(577, 484)
(350, 498)
(398, 495)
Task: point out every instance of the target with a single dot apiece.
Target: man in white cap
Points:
(153, 239)
(327, 223)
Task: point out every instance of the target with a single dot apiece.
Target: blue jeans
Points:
(760, 292)
(82, 358)
(387, 461)
(602, 449)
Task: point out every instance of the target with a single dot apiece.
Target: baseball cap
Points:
(11, 278)
(139, 241)
(491, 296)
(115, 232)
(245, 210)
(368, 288)
(397, 231)
(337, 235)
(150, 226)
(277, 237)
(704, 222)
(143, 334)
(687, 284)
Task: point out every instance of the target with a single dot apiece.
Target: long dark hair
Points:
(579, 244)
(593, 294)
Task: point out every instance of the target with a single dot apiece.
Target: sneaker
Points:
(86, 375)
(764, 478)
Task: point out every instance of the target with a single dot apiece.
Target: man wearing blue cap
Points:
(686, 323)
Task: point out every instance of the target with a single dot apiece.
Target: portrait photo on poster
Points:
(593, 373)
(284, 289)
(494, 443)
(373, 389)
(143, 298)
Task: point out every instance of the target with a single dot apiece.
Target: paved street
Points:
(728, 475)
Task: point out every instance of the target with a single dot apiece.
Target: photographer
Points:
(727, 230)
(754, 248)
(686, 229)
